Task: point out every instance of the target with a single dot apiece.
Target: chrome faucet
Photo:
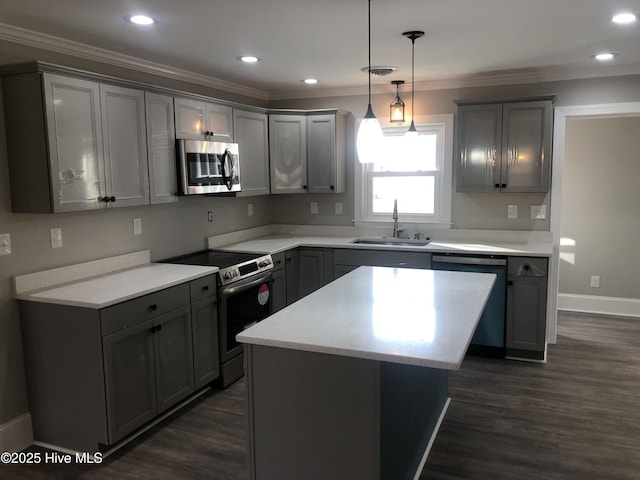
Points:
(396, 231)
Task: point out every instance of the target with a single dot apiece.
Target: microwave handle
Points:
(227, 179)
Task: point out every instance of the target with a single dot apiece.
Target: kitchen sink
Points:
(391, 241)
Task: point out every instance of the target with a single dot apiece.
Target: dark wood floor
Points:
(575, 417)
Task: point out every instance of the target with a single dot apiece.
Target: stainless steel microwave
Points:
(208, 167)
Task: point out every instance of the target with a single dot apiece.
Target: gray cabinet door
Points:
(293, 276)
(312, 268)
(195, 118)
(526, 146)
(321, 153)
(478, 148)
(252, 137)
(74, 127)
(279, 289)
(125, 146)
(173, 344)
(161, 148)
(204, 321)
(129, 369)
(288, 153)
(526, 305)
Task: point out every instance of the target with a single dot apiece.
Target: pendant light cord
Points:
(369, 70)
(413, 67)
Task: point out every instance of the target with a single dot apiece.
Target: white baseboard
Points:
(16, 434)
(623, 307)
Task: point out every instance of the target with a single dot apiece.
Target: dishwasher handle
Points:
(501, 262)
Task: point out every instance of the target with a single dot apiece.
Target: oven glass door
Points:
(243, 304)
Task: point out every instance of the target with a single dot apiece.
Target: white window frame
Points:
(442, 125)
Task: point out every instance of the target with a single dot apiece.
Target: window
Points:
(415, 172)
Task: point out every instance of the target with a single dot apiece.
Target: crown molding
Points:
(30, 38)
(488, 79)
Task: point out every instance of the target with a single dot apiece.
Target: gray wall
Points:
(601, 207)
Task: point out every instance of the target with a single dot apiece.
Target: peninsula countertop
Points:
(114, 287)
(409, 316)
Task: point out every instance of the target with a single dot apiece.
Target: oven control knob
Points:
(264, 263)
(228, 275)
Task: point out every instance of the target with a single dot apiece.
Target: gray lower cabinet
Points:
(96, 375)
(316, 269)
(292, 259)
(148, 368)
(526, 307)
(279, 282)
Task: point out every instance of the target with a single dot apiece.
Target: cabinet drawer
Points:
(278, 260)
(139, 309)
(527, 266)
(202, 287)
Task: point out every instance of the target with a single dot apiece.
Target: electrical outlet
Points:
(137, 226)
(512, 211)
(5, 244)
(56, 237)
(338, 208)
(210, 216)
(538, 212)
(314, 208)
(595, 281)
(250, 209)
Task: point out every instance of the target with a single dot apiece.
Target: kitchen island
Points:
(350, 382)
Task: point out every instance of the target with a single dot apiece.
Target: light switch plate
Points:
(137, 226)
(512, 211)
(314, 208)
(5, 244)
(56, 237)
(250, 209)
(338, 208)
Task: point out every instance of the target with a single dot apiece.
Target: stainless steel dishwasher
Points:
(490, 332)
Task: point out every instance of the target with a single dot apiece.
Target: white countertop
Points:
(111, 288)
(275, 243)
(410, 316)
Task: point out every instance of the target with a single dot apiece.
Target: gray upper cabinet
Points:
(125, 146)
(198, 119)
(288, 153)
(252, 136)
(308, 152)
(74, 144)
(504, 147)
(326, 153)
(161, 148)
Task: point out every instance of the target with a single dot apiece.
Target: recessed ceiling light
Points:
(605, 57)
(310, 81)
(622, 18)
(248, 59)
(141, 20)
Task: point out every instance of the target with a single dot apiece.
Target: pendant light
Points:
(413, 35)
(396, 109)
(370, 132)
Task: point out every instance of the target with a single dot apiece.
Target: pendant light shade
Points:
(370, 132)
(412, 132)
(396, 109)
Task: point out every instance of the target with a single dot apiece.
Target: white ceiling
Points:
(466, 40)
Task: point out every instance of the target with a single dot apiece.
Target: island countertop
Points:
(409, 316)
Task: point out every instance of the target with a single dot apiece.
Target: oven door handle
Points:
(245, 286)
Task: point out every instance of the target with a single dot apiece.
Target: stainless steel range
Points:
(244, 298)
